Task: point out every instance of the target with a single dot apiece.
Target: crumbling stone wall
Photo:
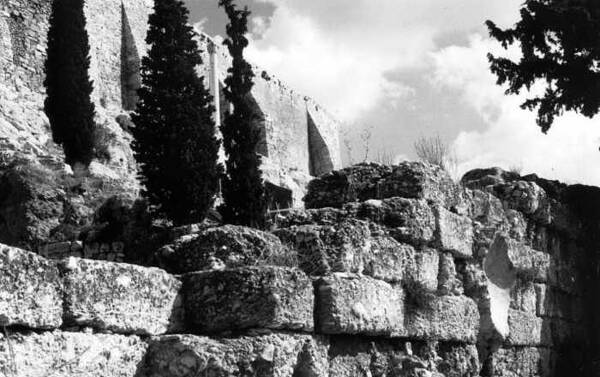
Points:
(410, 275)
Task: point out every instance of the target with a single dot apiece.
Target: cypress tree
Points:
(68, 86)
(174, 134)
(242, 189)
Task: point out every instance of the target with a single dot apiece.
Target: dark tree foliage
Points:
(243, 190)
(68, 86)
(560, 44)
(174, 134)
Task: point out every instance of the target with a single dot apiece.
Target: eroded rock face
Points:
(30, 290)
(121, 298)
(222, 247)
(67, 354)
(245, 298)
(275, 355)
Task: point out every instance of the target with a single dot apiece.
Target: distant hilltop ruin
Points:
(299, 138)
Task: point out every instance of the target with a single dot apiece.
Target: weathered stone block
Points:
(521, 362)
(445, 318)
(253, 297)
(228, 246)
(458, 360)
(356, 183)
(455, 233)
(528, 263)
(121, 298)
(367, 357)
(448, 281)
(65, 354)
(409, 220)
(420, 180)
(352, 304)
(322, 249)
(523, 297)
(30, 290)
(275, 355)
(526, 329)
(421, 270)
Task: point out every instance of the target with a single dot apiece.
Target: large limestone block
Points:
(521, 362)
(355, 183)
(409, 220)
(368, 357)
(121, 298)
(65, 354)
(30, 290)
(253, 297)
(321, 249)
(526, 329)
(228, 246)
(420, 180)
(445, 318)
(455, 233)
(528, 263)
(353, 304)
(274, 355)
(349, 247)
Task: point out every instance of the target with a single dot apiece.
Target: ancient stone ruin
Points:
(299, 137)
(394, 271)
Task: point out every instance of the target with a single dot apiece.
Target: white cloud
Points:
(339, 53)
(570, 150)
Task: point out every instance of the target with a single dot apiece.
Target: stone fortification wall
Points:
(300, 138)
(116, 31)
(396, 271)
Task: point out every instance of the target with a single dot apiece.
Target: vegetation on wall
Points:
(174, 134)
(243, 191)
(68, 86)
(560, 48)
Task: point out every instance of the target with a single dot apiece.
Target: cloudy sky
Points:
(406, 69)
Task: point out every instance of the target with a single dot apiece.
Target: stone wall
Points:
(301, 139)
(409, 274)
(117, 31)
(24, 128)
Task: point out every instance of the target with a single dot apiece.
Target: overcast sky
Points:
(407, 69)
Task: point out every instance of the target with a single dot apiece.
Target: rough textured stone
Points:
(30, 290)
(360, 357)
(455, 233)
(448, 281)
(446, 318)
(356, 183)
(523, 297)
(321, 249)
(409, 220)
(349, 246)
(525, 329)
(420, 180)
(458, 360)
(275, 355)
(65, 354)
(253, 297)
(121, 298)
(222, 247)
(351, 304)
(528, 263)
(521, 362)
